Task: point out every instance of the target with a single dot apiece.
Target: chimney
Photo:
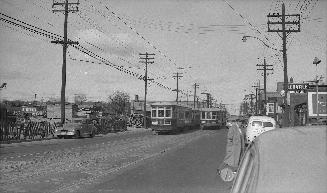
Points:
(136, 98)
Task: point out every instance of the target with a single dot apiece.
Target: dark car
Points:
(291, 160)
(77, 129)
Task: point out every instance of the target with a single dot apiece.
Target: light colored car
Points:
(291, 160)
(77, 129)
(257, 125)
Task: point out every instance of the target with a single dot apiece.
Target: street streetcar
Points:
(171, 117)
(213, 118)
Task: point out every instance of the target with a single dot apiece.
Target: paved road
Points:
(188, 169)
(116, 163)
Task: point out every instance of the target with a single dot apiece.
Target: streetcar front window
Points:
(208, 115)
(214, 115)
(203, 115)
(154, 113)
(161, 112)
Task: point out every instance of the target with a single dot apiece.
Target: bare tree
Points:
(118, 102)
(80, 98)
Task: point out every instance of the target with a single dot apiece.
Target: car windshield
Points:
(257, 123)
(268, 124)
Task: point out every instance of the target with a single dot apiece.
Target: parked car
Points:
(77, 129)
(288, 160)
(257, 125)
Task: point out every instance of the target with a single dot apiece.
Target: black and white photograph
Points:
(163, 96)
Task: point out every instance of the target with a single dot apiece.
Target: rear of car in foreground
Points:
(292, 160)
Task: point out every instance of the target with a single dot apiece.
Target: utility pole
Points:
(195, 87)
(146, 62)
(265, 69)
(251, 102)
(256, 97)
(68, 7)
(289, 23)
(177, 76)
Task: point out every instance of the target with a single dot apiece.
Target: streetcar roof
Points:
(169, 103)
(212, 109)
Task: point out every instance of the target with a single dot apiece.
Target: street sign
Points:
(282, 93)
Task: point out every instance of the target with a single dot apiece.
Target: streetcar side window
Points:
(168, 112)
(181, 115)
(214, 115)
(187, 115)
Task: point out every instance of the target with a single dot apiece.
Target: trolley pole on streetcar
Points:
(177, 75)
(145, 78)
(208, 98)
(288, 23)
(195, 87)
(68, 7)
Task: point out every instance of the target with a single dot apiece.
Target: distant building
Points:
(137, 106)
(54, 112)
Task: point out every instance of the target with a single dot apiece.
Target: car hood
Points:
(71, 127)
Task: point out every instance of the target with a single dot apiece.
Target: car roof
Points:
(261, 118)
(292, 160)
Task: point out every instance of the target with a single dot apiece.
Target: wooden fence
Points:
(12, 131)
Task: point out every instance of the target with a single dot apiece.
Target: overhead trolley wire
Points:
(53, 36)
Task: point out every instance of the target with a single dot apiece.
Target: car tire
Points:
(77, 134)
(92, 134)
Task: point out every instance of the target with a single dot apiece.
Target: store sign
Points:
(321, 107)
(299, 88)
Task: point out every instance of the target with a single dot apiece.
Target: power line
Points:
(50, 35)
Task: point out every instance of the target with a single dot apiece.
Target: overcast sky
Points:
(204, 37)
